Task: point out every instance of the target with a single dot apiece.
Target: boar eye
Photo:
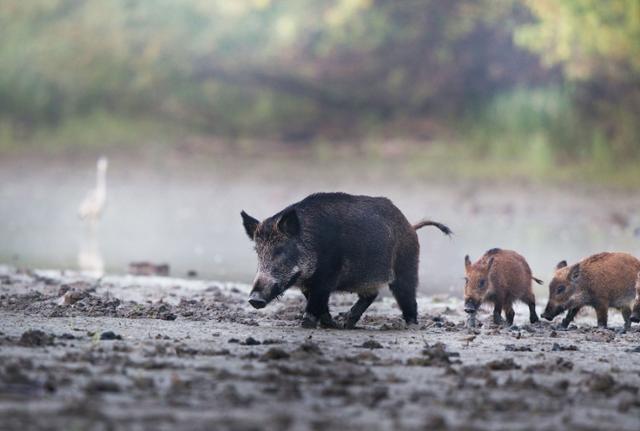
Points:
(481, 283)
(561, 289)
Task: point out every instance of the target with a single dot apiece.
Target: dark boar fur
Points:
(337, 242)
(601, 281)
(501, 277)
(635, 312)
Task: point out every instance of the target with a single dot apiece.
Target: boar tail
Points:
(537, 280)
(445, 229)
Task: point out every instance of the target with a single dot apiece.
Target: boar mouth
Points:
(550, 313)
(470, 306)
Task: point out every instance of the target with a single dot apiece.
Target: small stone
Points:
(514, 348)
(102, 386)
(35, 337)
(370, 344)
(503, 365)
(250, 341)
(274, 354)
(559, 348)
(109, 336)
(601, 383)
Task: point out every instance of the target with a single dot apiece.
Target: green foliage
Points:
(589, 38)
(542, 82)
(597, 45)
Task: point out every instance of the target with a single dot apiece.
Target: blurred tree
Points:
(247, 62)
(597, 44)
(290, 68)
(588, 38)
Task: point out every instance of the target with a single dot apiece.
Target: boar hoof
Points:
(309, 321)
(350, 324)
(412, 326)
(326, 321)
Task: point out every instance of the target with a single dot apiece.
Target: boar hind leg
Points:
(404, 290)
(571, 314)
(533, 316)
(358, 308)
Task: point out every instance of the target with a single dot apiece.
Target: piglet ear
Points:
(250, 224)
(289, 224)
(467, 262)
(561, 264)
(574, 274)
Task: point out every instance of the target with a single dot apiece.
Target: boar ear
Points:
(574, 274)
(467, 262)
(490, 263)
(250, 224)
(289, 223)
(561, 264)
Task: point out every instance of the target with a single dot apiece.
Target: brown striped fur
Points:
(601, 281)
(501, 277)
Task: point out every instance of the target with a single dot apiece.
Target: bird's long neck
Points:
(101, 181)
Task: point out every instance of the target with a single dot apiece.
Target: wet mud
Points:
(161, 353)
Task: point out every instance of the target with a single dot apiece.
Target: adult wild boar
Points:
(601, 281)
(337, 242)
(501, 277)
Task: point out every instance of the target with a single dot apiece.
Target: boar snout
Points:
(550, 312)
(470, 306)
(256, 300)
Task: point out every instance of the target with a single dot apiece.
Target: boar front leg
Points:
(497, 311)
(571, 314)
(626, 315)
(317, 309)
(358, 309)
(602, 313)
(509, 313)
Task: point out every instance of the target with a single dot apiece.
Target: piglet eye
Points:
(561, 289)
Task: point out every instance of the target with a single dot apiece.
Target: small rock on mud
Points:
(110, 335)
(274, 354)
(371, 344)
(35, 338)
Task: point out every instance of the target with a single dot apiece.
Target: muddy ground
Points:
(162, 353)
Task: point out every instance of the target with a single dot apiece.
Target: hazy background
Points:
(515, 122)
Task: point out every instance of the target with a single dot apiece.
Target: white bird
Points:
(93, 204)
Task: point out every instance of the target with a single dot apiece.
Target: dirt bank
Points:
(161, 353)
